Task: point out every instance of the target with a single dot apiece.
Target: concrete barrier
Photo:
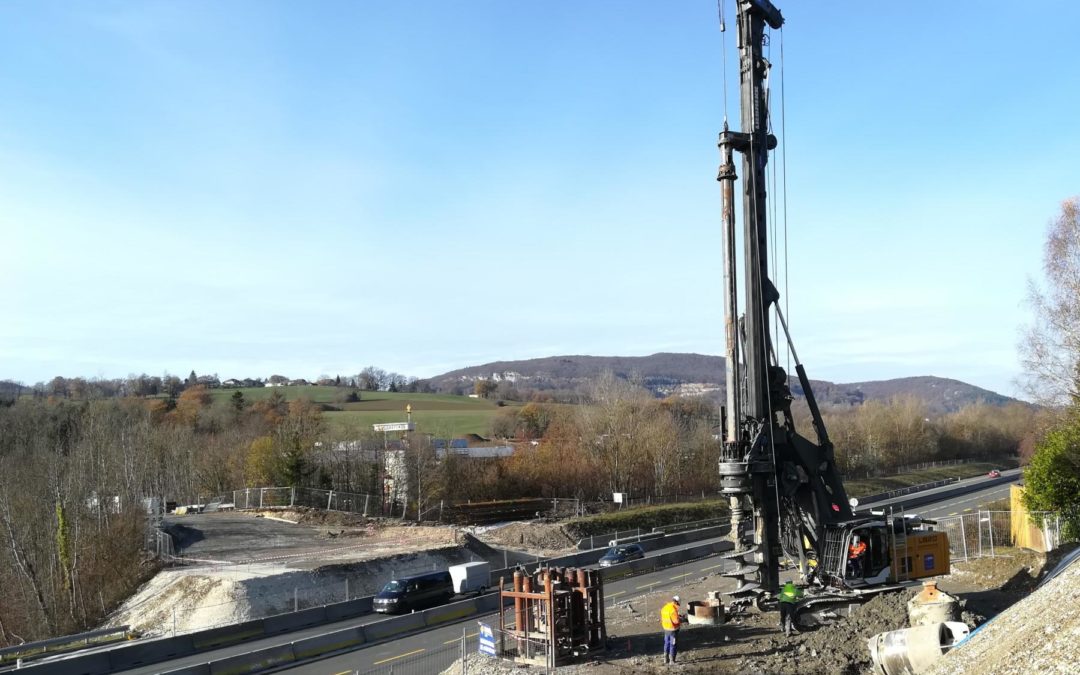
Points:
(199, 669)
(227, 635)
(318, 645)
(150, 651)
(448, 613)
(349, 609)
(380, 630)
(253, 661)
(283, 623)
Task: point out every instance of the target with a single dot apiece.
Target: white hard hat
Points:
(856, 539)
(675, 598)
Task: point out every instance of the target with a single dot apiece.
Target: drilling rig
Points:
(786, 497)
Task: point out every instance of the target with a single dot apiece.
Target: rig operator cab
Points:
(894, 551)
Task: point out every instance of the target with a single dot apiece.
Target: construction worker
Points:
(789, 595)
(670, 622)
(856, 553)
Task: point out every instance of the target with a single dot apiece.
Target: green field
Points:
(444, 415)
(869, 486)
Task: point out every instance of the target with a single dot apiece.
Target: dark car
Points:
(621, 554)
(417, 592)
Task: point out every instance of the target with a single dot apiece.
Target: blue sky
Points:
(263, 187)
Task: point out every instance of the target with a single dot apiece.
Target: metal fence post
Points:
(963, 537)
(366, 498)
(329, 498)
(464, 650)
(292, 496)
(979, 517)
(295, 600)
(990, 525)
(261, 492)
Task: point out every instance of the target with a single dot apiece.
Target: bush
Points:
(1052, 480)
(646, 517)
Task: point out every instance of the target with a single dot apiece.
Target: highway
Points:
(968, 503)
(437, 641)
(1012, 475)
(286, 638)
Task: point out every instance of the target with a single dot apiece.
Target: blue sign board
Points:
(487, 640)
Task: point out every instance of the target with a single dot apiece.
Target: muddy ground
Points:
(752, 642)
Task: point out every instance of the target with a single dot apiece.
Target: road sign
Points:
(394, 426)
(487, 640)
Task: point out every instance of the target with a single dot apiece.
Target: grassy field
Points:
(873, 486)
(441, 423)
(444, 415)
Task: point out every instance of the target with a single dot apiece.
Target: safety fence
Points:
(329, 500)
(981, 534)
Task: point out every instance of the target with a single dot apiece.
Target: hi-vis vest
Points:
(669, 616)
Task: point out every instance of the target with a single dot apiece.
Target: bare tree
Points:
(1050, 347)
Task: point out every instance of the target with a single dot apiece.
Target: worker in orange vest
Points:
(856, 553)
(670, 622)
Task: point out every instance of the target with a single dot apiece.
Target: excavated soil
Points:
(1046, 623)
(544, 539)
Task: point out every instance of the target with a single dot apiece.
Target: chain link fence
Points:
(980, 534)
(329, 500)
(464, 654)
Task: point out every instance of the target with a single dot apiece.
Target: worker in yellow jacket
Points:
(670, 622)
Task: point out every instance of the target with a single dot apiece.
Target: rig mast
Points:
(783, 488)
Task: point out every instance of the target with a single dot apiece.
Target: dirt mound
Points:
(541, 538)
(1013, 569)
(197, 598)
(1036, 635)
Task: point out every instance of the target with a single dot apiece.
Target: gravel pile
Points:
(1038, 634)
(543, 538)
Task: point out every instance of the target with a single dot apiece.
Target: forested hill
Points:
(667, 373)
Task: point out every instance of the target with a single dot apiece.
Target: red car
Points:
(994, 473)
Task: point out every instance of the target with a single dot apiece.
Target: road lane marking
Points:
(399, 656)
(680, 576)
(647, 585)
(344, 672)
(712, 568)
(450, 642)
(612, 595)
(967, 509)
(953, 513)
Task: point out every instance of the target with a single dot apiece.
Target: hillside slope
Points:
(670, 373)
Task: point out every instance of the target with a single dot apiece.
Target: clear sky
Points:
(302, 188)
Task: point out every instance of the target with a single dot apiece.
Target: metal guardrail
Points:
(57, 645)
(892, 494)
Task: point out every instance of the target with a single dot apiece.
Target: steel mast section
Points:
(781, 485)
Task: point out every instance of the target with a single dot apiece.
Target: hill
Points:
(668, 373)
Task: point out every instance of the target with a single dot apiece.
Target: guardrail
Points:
(920, 498)
(891, 494)
(59, 645)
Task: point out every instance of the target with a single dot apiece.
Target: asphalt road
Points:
(968, 503)
(1011, 473)
(434, 650)
(359, 621)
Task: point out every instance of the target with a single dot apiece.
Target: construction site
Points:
(794, 575)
